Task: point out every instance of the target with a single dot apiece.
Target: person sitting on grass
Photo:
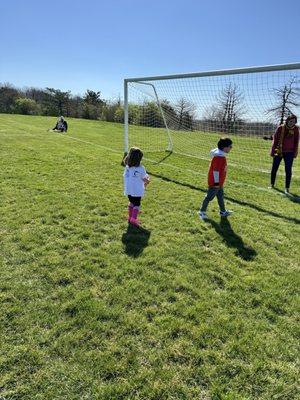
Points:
(61, 125)
(216, 178)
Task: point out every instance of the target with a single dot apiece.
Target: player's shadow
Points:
(135, 240)
(291, 196)
(235, 201)
(231, 239)
(294, 198)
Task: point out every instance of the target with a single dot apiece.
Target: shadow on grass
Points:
(294, 198)
(240, 202)
(231, 239)
(291, 196)
(135, 240)
(169, 153)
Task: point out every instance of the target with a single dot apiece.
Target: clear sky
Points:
(88, 44)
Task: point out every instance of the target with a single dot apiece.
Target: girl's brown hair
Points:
(134, 157)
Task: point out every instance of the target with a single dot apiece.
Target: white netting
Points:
(192, 113)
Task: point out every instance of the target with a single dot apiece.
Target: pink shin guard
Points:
(130, 209)
(134, 214)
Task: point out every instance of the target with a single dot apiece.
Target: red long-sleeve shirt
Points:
(217, 169)
(290, 143)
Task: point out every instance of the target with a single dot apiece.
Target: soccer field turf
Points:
(92, 308)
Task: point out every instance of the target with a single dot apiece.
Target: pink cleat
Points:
(135, 222)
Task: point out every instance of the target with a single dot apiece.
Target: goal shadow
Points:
(169, 153)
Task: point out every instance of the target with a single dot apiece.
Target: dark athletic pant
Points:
(136, 201)
(211, 193)
(288, 163)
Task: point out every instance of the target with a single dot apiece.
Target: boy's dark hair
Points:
(224, 142)
(134, 157)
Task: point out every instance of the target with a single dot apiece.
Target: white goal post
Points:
(187, 113)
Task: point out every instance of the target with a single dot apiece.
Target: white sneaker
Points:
(287, 191)
(225, 213)
(202, 215)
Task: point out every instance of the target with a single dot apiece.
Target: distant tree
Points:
(76, 105)
(185, 114)
(111, 111)
(8, 96)
(212, 113)
(93, 105)
(26, 106)
(231, 108)
(227, 113)
(133, 113)
(149, 114)
(92, 97)
(169, 114)
(90, 111)
(286, 97)
(119, 114)
(35, 94)
(56, 102)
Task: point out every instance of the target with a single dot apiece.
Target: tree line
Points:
(55, 102)
(226, 115)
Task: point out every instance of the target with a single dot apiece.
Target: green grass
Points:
(251, 152)
(180, 309)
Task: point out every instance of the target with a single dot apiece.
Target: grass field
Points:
(250, 152)
(92, 308)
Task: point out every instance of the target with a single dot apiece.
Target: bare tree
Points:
(230, 108)
(185, 113)
(286, 99)
(169, 114)
(228, 111)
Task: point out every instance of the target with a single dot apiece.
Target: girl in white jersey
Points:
(135, 181)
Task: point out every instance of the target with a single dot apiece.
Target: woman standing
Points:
(285, 146)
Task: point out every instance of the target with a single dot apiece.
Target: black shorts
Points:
(136, 201)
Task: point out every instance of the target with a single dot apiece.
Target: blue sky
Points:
(88, 44)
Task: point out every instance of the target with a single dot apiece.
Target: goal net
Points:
(188, 113)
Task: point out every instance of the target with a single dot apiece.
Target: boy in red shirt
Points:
(216, 178)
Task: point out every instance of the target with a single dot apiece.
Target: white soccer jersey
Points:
(133, 181)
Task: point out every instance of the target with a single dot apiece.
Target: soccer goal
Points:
(188, 113)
